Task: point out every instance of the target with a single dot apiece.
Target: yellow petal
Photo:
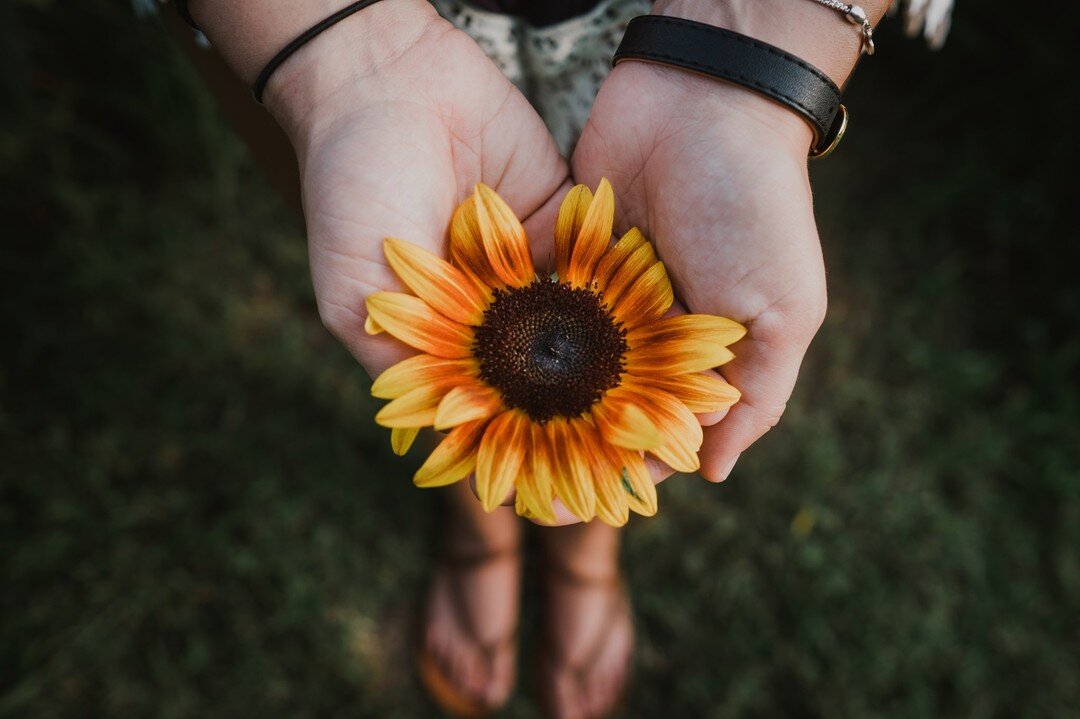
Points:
(571, 216)
(420, 370)
(401, 438)
(415, 408)
(467, 246)
(612, 507)
(572, 467)
(534, 487)
(647, 299)
(617, 255)
(622, 423)
(467, 403)
(699, 392)
(437, 282)
(502, 452)
(504, 239)
(693, 328)
(372, 327)
(635, 480)
(454, 458)
(415, 323)
(594, 237)
(682, 432)
(521, 506)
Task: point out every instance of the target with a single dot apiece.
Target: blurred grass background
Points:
(198, 517)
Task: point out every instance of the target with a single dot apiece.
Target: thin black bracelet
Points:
(185, 14)
(299, 42)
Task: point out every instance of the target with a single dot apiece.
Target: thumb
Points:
(765, 369)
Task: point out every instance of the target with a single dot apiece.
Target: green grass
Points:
(198, 517)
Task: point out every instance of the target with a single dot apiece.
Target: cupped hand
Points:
(394, 149)
(715, 176)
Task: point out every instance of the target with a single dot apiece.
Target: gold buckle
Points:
(819, 155)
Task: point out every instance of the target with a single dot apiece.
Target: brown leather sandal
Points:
(548, 661)
(434, 676)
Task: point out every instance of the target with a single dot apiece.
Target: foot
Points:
(585, 664)
(467, 654)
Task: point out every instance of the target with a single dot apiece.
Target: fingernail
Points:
(727, 470)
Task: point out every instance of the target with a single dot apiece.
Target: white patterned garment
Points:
(558, 67)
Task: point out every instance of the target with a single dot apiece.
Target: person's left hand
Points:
(715, 176)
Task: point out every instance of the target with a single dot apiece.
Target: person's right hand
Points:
(390, 145)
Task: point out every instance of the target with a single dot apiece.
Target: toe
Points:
(501, 681)
(568, 701)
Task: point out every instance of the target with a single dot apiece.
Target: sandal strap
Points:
(566, 575)
(457, 560)
(617, 603)
(455, 563)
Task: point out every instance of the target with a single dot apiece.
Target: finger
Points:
(765, 369)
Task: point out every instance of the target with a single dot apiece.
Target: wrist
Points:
(817, 34)
(710, 108)
(305, 90)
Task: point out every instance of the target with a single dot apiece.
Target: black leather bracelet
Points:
(299, 41)
(751, 63)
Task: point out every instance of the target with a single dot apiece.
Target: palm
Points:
(424, 132)
(729, 209)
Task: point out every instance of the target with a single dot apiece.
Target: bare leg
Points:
(590, 630)
(472, 609)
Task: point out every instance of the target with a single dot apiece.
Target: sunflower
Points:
(553, 385)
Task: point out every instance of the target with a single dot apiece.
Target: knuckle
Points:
(770, 417)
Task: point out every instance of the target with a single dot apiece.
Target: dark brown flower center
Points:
(551, 350)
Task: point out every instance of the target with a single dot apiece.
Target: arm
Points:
(394, 116)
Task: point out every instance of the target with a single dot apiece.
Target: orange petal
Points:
(692, 328)
(502, 452)
(612, 507)
(622, 423)
(534, 487)
(594, 237)
(372, 327)
(571, 217)
(415, 323)
(637, 261)
(572, 467)
(647, 299)
(699, 392)
(437, 282)
(635, 480)
(681, 429)
(670, 358)
(454, 458)
(401, 438)
(420, 370)
(467, 245)
(467, 403)
(616, 256)
(504, 239)
(681, 344)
